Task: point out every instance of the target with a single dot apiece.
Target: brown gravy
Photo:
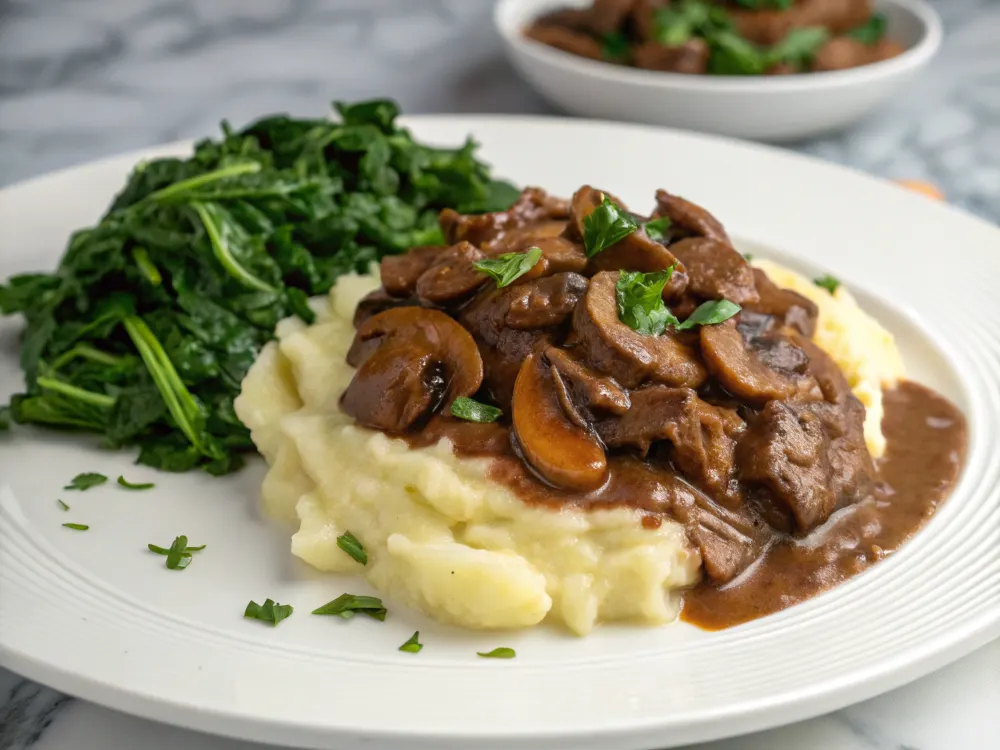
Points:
(926, 437)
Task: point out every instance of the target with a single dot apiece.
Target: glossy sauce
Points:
(926, 443)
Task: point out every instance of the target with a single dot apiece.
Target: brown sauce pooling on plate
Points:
(734, 423)
(926, 437)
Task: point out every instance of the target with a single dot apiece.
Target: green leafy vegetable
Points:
(748, 257)
(76, 526)
(681, 21)
(498, 653)
(507, 268)
(62, 505)
(828, 282)
(606, 225)
(179, 554)
(615, 47)
(270, 611)
(471, 410)
(732, 55)
(710, 313)
(84, 482)
(765, 4)
(872, 31)
(413, 645)
(135, 486)
(347, 605)
(798, 47)
(350, 544)
(640, 301)
(149, 324)
(657, 228)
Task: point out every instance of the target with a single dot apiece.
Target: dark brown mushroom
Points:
(757, 370)
(583, 393)
(410, 361)
(715, 270)
(690, 217)
(533, 205)
(562, 453)
(791, 308)
(452, 277)
(378, 301)
(628, 356)
(691, 57)
(400, 272)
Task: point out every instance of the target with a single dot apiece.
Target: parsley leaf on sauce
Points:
(640, 301)
(657, 228)
(710, 313)
(507, 268)
(471, 410)
(606, 225)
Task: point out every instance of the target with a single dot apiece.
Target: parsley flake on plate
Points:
(270, 611)
(347, 605)
(83, 482)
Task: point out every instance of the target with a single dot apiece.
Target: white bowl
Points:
(760, 107)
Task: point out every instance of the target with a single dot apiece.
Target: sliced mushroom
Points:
(715, 270)
(521, 238)
(690, 57)
(769, 367)
(638, 252)
(690, 217)
(593, 391)
(378, 301)
(546, 302)
(533, 205)
(790, 307)
(564, 454)
(410, 361)
(628, 356)
(582, 205)
(452, 277)
(400, 272)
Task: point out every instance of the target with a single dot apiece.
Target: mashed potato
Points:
(864, 350)
(440, 535)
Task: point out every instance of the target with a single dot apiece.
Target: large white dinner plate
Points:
(96, 615)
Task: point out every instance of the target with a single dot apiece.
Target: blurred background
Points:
(81, 79)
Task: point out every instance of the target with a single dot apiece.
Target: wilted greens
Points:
(147, 327)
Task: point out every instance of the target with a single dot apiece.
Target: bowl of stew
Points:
(775, 70)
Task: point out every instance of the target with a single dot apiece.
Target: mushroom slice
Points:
(638, 252)
(561, 452)
(690, 217)
(544, 302)
(628, 356)
(594, 391)
(452, 277)
(583, 203)
(766, 368)
(715, 270)
(410, 360)
(792, 308)
(378, 301)
(532, 205)
(400, 272)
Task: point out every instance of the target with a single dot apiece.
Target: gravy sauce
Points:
(926, 436)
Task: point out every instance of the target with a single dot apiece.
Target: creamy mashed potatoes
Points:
(866, 352)
(440, 535)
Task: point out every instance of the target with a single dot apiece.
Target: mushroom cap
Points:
(690, 217)
(563, 453)
(715, 270)
(452, 277)
(410, 361)
(628, 356)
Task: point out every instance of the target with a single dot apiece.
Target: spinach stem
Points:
(148, 268)
(232, 170)
(85, 351)
(225, 255)
(97, 399)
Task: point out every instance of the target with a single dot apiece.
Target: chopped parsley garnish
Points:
(710, 313)
(681, 21)
(135, 486)
(614, 47)
(798, 48)
(748, 257)
(765, 4)
(347, 605)
(827, 282)
(178, 554)
(76, 526)
(657, 228)
(85, 481)
(270, 611)
(62, 505)
(507, 268)
(498, 653)
(732, 55)
(350, 544)
(640, 301)
(871, 31)
(606, 225)
(413, 645)
(471, 410)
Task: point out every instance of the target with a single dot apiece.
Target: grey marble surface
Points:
(80, 79)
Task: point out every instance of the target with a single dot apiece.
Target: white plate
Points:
(763, 107)
(96, 615)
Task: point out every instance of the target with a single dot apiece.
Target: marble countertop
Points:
(91, 78)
